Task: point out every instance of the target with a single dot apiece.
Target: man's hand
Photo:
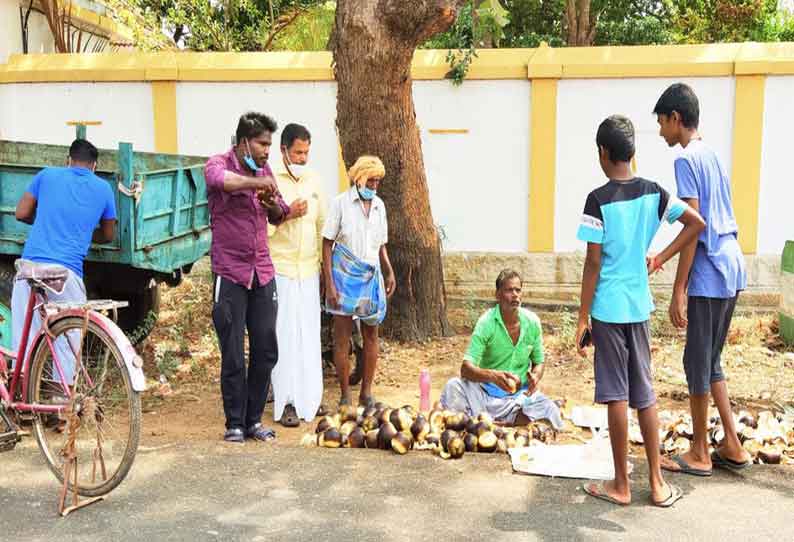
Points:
(506, 380)
(266, 192)
(332, 296)
(678, 309)
(532, 382)
(581, 327)
(298, 208)
(391, 285)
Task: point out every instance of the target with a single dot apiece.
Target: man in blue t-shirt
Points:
(69, 207)
(710, 275)
(619, 222)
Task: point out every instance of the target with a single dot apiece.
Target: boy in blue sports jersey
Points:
(619, 222)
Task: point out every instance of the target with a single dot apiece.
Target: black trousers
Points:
(236, 308)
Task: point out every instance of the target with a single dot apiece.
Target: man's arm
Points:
(105, 232)
(330, 288)
(686, 244)
(221, 179)
(388, 275)
(592, 268)
(26, 208)
(504, 379)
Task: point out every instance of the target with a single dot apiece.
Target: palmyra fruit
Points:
(446, 436)
(401, 443)
(387, 432)
(420, 428)
(456, 447)
(325, 423)
(371, 438)
(470, 440)
(348, 427)
(369, 423)
(400, 419)
(487, 442)
(384, 415)
(456, 421)
(357, 438)
(331, 438)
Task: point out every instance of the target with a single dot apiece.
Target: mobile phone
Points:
(587, 338)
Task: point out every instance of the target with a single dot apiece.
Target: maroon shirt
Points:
(239, 224)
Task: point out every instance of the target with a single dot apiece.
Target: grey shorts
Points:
(623, 364)
(707, 328)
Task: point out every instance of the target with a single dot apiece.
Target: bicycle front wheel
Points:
(107, 412)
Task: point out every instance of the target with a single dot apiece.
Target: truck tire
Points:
(139, 319)
(7, 274)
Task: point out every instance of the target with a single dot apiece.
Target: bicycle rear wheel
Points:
(106, 406)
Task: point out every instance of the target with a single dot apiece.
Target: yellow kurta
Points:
(296, 244)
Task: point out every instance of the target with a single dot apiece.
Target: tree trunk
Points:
(580, 24)
(373, 44)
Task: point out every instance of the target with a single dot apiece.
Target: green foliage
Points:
(310, 31)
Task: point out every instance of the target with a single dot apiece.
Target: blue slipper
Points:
(725, 463)
(260, 432)
(685, 468)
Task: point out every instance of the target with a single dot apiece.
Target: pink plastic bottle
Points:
(424, 390)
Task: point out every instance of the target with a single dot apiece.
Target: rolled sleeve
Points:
(478, 342)
(214, 173)
(333, 220)
(685, 180)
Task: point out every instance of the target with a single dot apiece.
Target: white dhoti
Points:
(298, 376)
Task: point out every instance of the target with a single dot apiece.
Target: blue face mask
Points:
(366, 193)
(248, 159)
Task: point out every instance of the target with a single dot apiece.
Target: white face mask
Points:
(297, 170)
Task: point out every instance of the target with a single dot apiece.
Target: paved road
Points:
(210, 491)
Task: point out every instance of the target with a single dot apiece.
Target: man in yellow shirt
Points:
(296, 251)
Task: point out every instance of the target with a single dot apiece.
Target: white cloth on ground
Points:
(298, 376)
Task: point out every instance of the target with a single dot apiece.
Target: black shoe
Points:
(235, 434)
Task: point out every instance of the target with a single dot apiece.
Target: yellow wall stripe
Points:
(723, 59)
(165, 123)
(542, 164)
(748, 131)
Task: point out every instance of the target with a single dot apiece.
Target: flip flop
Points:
(675, 495)
(685, 468)
(723, 462)
(599, 492)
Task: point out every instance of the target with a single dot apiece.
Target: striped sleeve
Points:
(591, 226)
(670, 206)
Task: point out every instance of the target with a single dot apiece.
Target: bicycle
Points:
(78, 384)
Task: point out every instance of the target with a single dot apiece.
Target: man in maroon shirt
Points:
(243, 198)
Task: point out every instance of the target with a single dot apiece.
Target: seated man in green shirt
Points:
(504, 364)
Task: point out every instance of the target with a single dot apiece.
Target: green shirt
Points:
(492, 348)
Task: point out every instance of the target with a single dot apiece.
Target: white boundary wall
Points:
(479, 180)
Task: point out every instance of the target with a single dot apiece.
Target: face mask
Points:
(366, 193)
(248, 159)
(297, 170)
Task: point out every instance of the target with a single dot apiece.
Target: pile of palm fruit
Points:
(446, 433)
(768, 437)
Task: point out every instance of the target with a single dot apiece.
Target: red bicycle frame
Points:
(21, 372)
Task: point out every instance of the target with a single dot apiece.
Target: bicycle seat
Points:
(47, 275)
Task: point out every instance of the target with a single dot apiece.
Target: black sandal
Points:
(290, 418)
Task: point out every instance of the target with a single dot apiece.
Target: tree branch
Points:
(417, 21)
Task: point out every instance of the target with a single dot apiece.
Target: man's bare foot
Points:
(608, 491)
(694, 462)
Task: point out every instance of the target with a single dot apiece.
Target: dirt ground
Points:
(182, 351)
